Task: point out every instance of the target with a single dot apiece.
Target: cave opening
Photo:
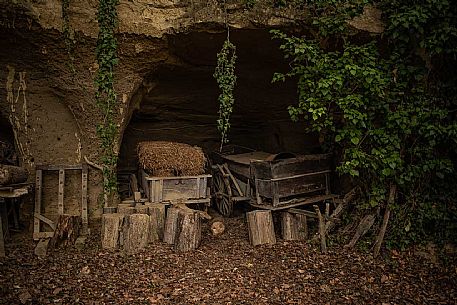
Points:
(178, 100)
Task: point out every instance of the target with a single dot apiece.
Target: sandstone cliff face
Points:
(52, 111)
(167, 54)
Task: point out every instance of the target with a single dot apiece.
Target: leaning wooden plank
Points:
(136, 233)
(365, 224)
(66, 232)
(260, 227)
(38, 193)
(111, 228)
(10, 174)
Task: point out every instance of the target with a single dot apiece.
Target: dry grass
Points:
(160, 158)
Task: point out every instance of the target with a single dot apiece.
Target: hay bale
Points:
(165, 159)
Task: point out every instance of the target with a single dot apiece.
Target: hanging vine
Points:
(68, 35)
(226, 79)
(105, 95)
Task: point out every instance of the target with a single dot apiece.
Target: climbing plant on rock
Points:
(107, 130)
(389, 110)
(226, 80)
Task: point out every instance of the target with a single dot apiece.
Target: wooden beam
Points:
(59, 167)
(84, 217)
(45, 220)
(38, 193)
(61, 191)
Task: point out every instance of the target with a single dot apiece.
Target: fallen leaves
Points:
(225, 270)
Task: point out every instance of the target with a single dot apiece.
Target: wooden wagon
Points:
(268, 181)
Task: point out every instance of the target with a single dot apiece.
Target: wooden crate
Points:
(192, 189)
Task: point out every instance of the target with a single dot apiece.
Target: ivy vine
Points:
(226, 79)
(387, 109)
(106, 99)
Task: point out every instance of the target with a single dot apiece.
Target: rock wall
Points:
(52, 110)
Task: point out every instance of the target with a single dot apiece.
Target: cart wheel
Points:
(222, 194)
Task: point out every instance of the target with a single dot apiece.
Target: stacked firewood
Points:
(132, 228)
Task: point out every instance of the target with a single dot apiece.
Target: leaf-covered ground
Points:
(224, 270)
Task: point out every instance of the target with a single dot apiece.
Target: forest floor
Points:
(225, 270)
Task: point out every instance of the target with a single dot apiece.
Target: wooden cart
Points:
(268, 181)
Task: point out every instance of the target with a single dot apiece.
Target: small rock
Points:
(41, 248)
(384, 278)
(57, 291)
(85, 270)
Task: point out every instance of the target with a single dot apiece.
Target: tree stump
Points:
(156, 221)
(136, 234)
(171, 225)
(260, 227)
(293, 226)
(66, 232)
(189, 231)
(111, 228)
(10, 174)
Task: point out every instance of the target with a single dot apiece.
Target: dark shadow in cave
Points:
(8, 153)
(182, 106)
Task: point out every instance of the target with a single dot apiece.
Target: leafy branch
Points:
(226, 79)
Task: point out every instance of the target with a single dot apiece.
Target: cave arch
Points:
(177, 100)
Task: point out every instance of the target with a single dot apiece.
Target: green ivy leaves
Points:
(226, 79)
(106, 96)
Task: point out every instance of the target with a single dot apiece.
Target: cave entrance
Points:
(178, 100)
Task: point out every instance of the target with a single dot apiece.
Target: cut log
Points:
(136, 228)
(260, 227)
(171, 225)
(293, 226)
(142, 209)
(66, 232)
(156, 221)
(217, 227)
(189, 231)
(2, 242)
(111, 228)
(10, 174)
(321, 229)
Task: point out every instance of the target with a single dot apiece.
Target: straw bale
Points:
(165, 159)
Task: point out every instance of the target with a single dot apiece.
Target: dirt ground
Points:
(224, 270)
